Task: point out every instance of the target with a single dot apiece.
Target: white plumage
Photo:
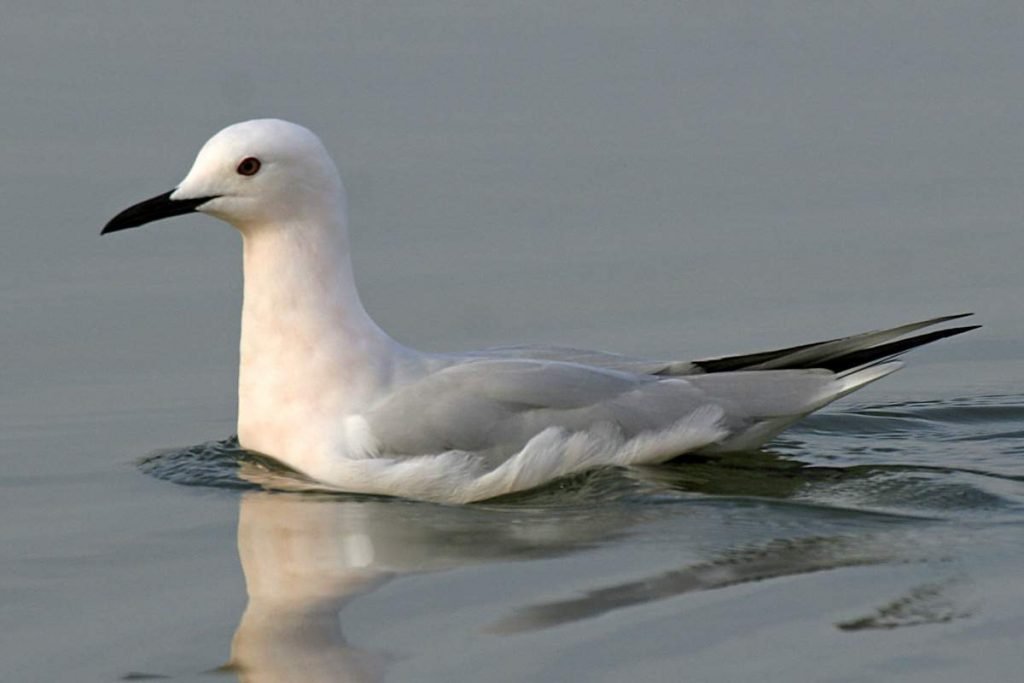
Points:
(323, 389)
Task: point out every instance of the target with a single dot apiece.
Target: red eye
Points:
(248, 166)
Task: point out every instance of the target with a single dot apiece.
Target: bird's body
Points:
(323, 389)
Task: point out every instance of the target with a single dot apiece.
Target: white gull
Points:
(327, 392)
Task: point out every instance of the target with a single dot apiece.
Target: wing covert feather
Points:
(497, 405)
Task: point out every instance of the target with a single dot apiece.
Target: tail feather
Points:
(764, 430)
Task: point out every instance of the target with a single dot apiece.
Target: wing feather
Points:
(493, 407)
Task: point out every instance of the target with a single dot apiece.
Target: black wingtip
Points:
(957, 316)
(841, 361)
(876, 354)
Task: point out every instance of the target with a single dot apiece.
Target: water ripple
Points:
(955, 458)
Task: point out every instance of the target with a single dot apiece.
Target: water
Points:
(677, 179)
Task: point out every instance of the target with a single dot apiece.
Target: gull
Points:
(324, 390)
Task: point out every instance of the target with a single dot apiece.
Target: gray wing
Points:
(492, 402)
(837, 355)
(493, 407)
(597, 359)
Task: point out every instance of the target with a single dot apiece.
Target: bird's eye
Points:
(248, 166)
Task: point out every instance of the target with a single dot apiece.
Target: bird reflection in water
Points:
(306, 556)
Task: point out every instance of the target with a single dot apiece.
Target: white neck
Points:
(310, 354)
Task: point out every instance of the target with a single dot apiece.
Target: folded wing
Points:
(492, 408)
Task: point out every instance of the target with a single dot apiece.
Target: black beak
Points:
(153, 210)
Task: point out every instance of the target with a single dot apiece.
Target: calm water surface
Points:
(682, 179)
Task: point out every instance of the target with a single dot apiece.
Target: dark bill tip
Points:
(151, 210)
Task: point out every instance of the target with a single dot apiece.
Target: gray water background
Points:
(665, 179)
